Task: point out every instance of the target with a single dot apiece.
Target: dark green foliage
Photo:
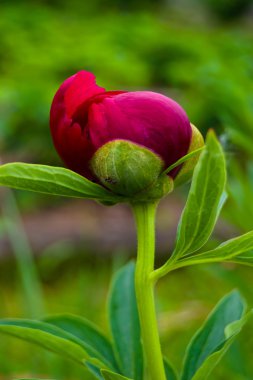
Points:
(214, 338)
(125, 324)
(77, 339)
(228, 9)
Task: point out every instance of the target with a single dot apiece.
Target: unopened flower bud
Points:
(122, 140)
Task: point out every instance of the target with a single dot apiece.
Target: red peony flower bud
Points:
(84, 117)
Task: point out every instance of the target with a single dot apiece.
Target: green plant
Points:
(132, 313)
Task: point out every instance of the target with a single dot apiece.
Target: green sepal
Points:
(130, 170)
(161, 187)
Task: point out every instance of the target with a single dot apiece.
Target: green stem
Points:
(31, 289)
(145, 221)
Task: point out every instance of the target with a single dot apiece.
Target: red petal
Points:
(83, 86)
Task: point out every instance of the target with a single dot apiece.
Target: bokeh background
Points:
(200, 52)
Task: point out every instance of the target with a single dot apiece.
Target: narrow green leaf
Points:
(169, 370)
(94, 370)
(125, 324)
(52, 180)
(212, 340)
(183, 159)
(94, 342)
(47, 336)
(108, 375)
(224, 252)
(243, 259)
(211, 362)
(204, 200)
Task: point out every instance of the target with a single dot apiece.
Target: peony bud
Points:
(123, 140)
(130, 169)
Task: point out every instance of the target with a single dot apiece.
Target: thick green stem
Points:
(145, 221)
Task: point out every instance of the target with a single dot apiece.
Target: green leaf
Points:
(183, 159)
(94, 342)
(125, 324)
(214, 338)
(224, 252)
(169, 370)
(211, 362)
(94, 370)
(243, 259)
(108, 375)
(52, 180)
(47, 336)
(204, 200)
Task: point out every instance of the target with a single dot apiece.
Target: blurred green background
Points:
(200, 52)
